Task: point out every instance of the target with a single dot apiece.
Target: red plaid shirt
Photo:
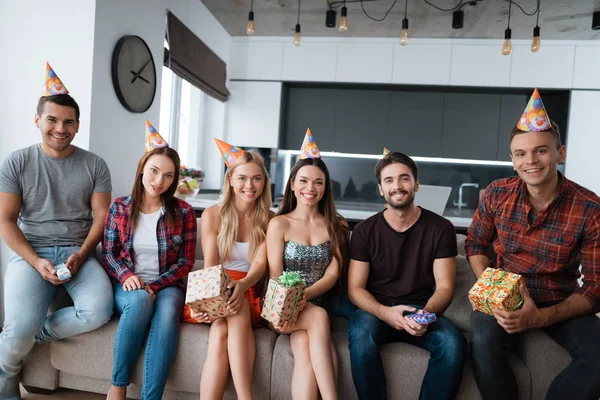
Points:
(549, 252)
(176, 245)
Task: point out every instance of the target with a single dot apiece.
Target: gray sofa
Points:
(84, 362)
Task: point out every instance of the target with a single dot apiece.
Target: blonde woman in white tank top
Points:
(233, 234)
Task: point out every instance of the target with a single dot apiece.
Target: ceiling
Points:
(559, 19)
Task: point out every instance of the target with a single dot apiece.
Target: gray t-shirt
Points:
(56, 193)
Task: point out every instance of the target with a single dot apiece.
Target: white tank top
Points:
(238, 258)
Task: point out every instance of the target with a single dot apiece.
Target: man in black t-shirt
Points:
(403, 261)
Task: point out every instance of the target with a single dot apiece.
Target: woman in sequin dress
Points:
(308, 236)
(233, 234)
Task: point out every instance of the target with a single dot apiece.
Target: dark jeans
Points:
(443, 340)
(579, 336)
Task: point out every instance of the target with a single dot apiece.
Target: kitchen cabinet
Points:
(471, 126)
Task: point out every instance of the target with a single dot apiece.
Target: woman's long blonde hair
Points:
(229, 216)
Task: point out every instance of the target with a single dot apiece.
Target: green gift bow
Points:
(500, 283)
(290, 279)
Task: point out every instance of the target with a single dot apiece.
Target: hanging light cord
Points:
(405, 7)
(298, 18)
(377, 19)
(537, 19)
(531, 14)
(251, 5)
(509, 8)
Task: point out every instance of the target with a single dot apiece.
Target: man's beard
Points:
(410, 198)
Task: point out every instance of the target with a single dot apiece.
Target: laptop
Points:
(433, 198)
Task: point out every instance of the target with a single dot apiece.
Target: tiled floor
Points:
(62, 394)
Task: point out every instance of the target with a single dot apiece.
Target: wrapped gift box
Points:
(207, 291)
(496, 288)
(282, 298)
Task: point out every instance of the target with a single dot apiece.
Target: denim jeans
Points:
(139, 313)
(579, 336)
(443, 340)
(27, 297)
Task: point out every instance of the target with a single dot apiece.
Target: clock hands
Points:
(138, 74)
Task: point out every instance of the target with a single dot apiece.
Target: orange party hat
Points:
(230, 153)
(386, 151)
(309, 147)
(53, 85)
(534, 118)
(153, 139)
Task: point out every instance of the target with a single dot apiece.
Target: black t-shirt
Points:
(401, 263)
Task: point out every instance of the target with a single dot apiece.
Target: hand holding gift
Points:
(208, 293)
(497, 289)
(284, 297)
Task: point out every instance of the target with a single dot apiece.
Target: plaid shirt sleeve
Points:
(112, 261)
(187, 252)
(590, 262)
(481, 233)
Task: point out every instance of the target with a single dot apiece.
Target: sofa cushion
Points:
(74, 355)
(405, 366)
(460, 309)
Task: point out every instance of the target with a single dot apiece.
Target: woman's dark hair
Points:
(337, 227)
(138, 192)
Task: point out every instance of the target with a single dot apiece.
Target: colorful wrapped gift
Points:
(282, 298)
(498, 289)
(207, 291)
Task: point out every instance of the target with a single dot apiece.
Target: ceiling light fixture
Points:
(404, 32)
(536, 42)
(250, 25)
(507, 45)
(344, 18)
(458, 18)
(330, 17)
(297, 30)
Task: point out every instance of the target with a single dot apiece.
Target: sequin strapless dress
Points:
(309, 262)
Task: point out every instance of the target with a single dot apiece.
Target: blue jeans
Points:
(27, 297)
(443, 340)
(138, 314)
(495, 380)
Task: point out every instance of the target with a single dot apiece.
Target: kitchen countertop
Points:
(352, 211)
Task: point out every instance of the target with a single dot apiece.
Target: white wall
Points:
(583, 142)
(27, 40)
(118, 135)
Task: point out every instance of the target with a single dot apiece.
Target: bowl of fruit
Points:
(190, 180)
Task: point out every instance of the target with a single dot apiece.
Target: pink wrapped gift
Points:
(282, 298)
(207, 291)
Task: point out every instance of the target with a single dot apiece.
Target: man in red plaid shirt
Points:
(545, 227)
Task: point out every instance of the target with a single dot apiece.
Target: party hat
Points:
(386, 151)
(54, 86)
(230, 153)
(153, 139)
(309, 147)
(534, 118)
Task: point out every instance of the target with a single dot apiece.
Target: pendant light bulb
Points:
(404, 33)
(250, 25)
(344, 19)
(507, 46)
(297, 36)
(536, 42)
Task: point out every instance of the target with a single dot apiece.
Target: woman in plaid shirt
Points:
(149, 248)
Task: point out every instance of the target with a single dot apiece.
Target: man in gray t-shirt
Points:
(53, 199)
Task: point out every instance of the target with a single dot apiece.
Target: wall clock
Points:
(133, 73)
